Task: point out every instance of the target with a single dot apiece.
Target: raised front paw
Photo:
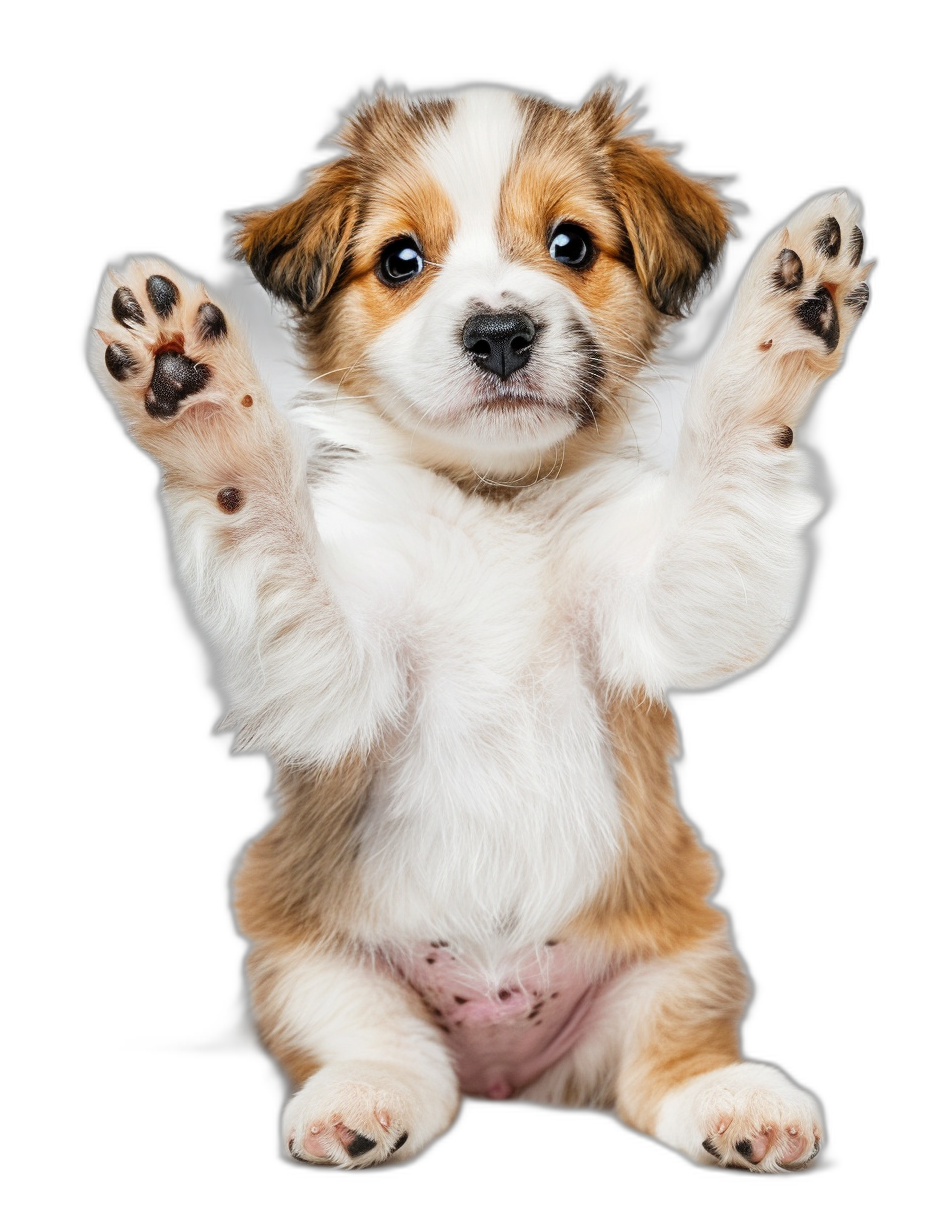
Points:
(743, 1116)
(166, 354)
(806, 288)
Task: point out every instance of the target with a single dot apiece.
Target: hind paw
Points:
(743, 1116)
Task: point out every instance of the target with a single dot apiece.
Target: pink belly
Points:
(505, 1035)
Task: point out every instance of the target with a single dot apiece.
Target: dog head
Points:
(490, 269)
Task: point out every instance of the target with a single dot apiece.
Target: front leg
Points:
(374, 1077)
(800, 300)
(709, 555)
(304, 684)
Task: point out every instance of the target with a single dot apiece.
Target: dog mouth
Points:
(519, 420)
(567, 385)
(527, 404)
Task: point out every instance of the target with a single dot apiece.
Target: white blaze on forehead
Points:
(470, 159)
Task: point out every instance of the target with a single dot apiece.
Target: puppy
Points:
(450, 595)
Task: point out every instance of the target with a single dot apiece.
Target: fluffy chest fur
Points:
(494, 809)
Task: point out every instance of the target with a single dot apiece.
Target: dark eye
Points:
(400, 261)
(571, 245)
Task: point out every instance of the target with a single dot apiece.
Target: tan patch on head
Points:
(670, 226)
(332, 235)
(559, 173)
(407, 202)
(281, 244)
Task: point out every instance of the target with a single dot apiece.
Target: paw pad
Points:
(828, 237)
(162, 294)
(126, 308)
(788, 273)
(858, 299)
(819, 315)
(119, 362)
(175, 377)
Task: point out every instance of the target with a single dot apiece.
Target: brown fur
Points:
(653, 902)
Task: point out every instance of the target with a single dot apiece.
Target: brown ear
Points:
(299, 250)
(676, 225)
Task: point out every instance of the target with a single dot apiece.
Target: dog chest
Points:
(495, 809)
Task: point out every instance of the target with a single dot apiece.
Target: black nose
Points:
(501, 342)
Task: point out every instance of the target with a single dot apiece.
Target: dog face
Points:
(489, 270)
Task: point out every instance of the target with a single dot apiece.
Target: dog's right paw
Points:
(360, 1114)
(168, 353)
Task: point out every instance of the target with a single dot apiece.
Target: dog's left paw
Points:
(806, 288)
(743, 1116)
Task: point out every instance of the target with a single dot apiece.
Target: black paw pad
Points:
(858, 299)
(788, 272)
(828, 237)
(855, 249)
(819, 315)
(399, 1142)
(744, 1148)
(175, 378)
(119, 362)
(126, 308)
(707, 1146)
(162, 294)
(211, 322)
(360, 1146)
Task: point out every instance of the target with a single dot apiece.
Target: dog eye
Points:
(571, 245)
(400, 261)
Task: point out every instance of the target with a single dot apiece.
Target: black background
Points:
(778, 766)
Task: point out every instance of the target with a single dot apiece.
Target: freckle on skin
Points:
(229, 499)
